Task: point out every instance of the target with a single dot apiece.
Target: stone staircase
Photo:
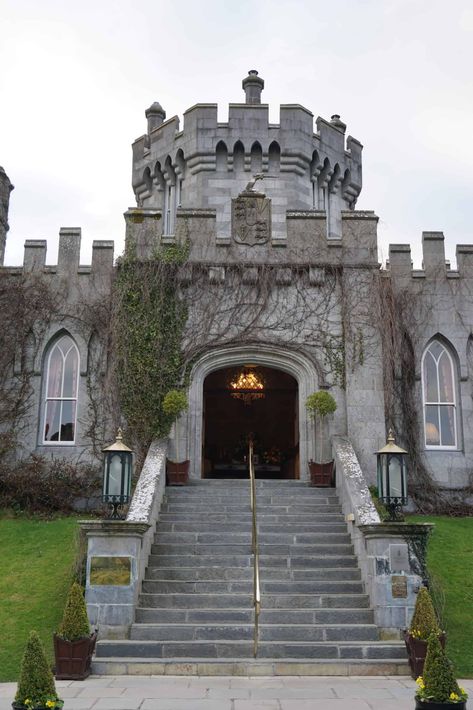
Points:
(195, 612)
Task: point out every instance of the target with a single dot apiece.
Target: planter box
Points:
(430, 705)
(177, 473)
(416, 652)
(73, 658)
(321, 474)
(19, 706)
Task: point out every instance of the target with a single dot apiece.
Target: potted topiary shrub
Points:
(174, 403)
(423, 624)
(437, 688)
(319, 405)
(36, 689)
(74, 644)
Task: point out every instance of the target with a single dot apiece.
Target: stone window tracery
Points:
(62, 382)
(439, 390)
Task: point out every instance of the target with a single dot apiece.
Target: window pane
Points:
(55, 373)
(51, 421)
(68, 421)
(430, 379)
(447, 423)
(446, 378)
(70, 374)
(432, 435)
(436, 349)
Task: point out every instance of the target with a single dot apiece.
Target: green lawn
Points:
(450, 561)
(36, 563)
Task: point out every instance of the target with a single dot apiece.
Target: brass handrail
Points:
(255, 549)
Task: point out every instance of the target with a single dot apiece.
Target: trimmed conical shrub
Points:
(424, 620)
(36, 685)
(439, 681)
(75, 622)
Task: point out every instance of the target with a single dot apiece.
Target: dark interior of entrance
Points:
(271, 420)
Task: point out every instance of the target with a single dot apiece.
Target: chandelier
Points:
(247, 385)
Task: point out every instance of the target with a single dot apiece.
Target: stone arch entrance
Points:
(296, 364)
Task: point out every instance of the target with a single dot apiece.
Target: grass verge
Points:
(35, 574)
(450, 562)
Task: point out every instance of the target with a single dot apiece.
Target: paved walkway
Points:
(233, 693)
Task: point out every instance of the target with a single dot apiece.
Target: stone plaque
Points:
(114, 571)
(251, 218)
(399, 558)
(399, 586)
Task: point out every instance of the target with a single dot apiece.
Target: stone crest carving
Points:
(251, 218)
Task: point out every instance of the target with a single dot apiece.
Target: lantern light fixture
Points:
(392, 478)
(247, 385)
(117, 474)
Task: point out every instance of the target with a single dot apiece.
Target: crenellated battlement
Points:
(68, 261)
(208, 162)
(434, 265)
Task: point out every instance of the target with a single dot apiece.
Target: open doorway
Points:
(271, 417)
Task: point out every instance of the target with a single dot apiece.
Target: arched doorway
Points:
(293, 362)
(269, 415)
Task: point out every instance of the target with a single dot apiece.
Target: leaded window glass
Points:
(62, 380)
(439, 394)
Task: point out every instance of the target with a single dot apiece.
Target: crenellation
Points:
(433, 250)
(69, 250)
(34, 258)
(102, 258)
(400, 261)
(464, 254)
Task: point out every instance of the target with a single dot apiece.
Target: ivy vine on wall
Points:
(149, 321)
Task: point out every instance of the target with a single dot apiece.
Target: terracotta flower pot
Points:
(431, 705)
(321, 474)
(416, 653)
(177, 473)
(73, 658)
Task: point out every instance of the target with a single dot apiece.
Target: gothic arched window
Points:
(62, 381)
(439, 390)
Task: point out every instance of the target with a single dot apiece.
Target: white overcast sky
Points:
(76, 78)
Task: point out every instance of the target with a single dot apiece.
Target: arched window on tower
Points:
(61, 389)
(439, 392)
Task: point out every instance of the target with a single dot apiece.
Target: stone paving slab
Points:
(234, 693)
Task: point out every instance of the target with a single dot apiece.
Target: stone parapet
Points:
(111, 607)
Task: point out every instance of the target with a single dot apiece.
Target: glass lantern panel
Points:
(115, 476)
(395, 477)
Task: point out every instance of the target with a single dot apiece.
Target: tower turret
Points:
(253, 85)
(5, 188)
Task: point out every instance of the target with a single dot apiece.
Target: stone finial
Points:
(335, 121)
(253, 85)
(155, 115)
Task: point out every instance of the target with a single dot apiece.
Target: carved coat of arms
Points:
(251, 218)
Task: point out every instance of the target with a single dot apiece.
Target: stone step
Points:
(246, 573)
(244, 601)
(244, 649)
(246, 616)
(227, 560)
(237, 518)
(182, 526)
(283, 508)
(263, 500)
(242, 587)
(250, 667)
(233, 538)
(282, 551)
(267, 632)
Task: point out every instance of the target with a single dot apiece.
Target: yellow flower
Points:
(51, 704)
(454, 696)
(420, 682)
(462, 690)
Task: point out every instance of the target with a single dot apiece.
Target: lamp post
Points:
(117, 472)
(392, 478)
